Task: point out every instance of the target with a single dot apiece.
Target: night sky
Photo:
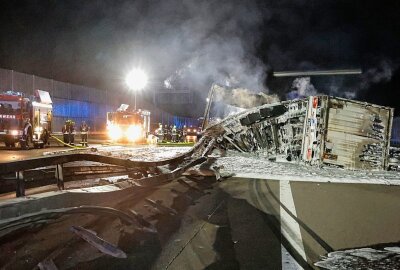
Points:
(195, 43)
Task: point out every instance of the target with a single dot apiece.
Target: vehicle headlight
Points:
(38, 129)
(15, 132)
(115, 132)
(134, 132)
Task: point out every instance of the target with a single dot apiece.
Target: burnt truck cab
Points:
(128, 125)
(15, 109)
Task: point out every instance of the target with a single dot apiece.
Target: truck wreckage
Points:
(318, 130)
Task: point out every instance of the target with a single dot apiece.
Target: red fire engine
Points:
(128, 125)
(25, 120)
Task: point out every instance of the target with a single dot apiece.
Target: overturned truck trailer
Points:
(317, 130)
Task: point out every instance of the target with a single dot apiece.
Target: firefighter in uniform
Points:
(72, 133)
(26, 133)
(159, 133)
(174, 134)
(84, 129)
(65, 131)
(68, 131)
(169, 139)
(45, 135)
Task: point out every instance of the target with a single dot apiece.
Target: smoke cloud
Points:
(242, 97)
(382, 72)
(182, 44)
(304, 87)
(218, 42)
(191, 44)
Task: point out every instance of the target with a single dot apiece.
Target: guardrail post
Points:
(60, 176)
(20, 192)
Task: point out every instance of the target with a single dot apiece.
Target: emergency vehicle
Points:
(192, 131)
(25, 120)
(128, 125)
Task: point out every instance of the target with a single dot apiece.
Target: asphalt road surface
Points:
(10, 154)
(239, 223)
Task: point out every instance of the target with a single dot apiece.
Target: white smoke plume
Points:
(242, 97)
(216, 44)
(304, 87)
(382, 72)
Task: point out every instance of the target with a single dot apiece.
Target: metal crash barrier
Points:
(21, 166)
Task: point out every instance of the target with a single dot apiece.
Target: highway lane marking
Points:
(290, 228)
(288, 262)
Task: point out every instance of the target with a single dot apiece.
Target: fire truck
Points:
(16, 111)
(128, 125)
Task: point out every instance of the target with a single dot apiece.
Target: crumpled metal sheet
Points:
(99, 243)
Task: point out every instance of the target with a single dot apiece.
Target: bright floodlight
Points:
(136, 79)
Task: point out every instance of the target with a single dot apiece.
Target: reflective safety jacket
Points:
(84, 129)
(65, 129)
(159, 131)
(26, 128)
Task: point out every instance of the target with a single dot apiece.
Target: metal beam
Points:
(210, 98)
(317, 73)
(60, 176)
(20, 190)
(32, 163)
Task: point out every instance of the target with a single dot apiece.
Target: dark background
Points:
(192, 44)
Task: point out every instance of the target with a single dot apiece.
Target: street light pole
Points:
(135, 100)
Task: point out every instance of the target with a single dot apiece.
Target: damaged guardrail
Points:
(20, 166)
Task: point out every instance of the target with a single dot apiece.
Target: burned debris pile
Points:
(394, 159)
(318, 130)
